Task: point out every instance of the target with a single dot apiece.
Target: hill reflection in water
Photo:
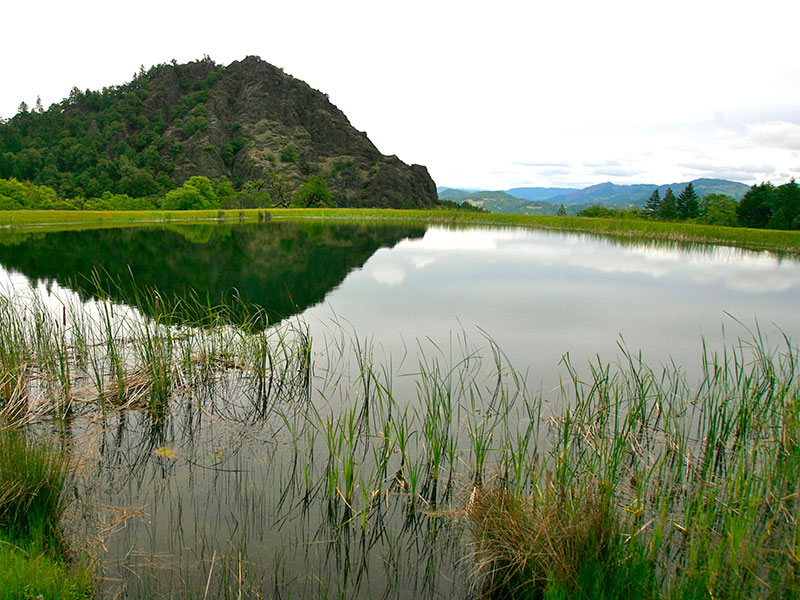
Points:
(280, 267)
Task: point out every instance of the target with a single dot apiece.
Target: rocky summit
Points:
(250, 122)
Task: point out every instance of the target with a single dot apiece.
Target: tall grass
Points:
(630, 482)
(695, 488)
(32, 488)
(33, 552)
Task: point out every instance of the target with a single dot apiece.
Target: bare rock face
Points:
(250, 121)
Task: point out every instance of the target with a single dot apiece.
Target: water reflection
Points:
(280, 267)
(759, 272)
(542, 294)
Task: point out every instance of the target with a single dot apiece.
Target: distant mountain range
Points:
(545, 201)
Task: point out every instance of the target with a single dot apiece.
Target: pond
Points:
(317, 482)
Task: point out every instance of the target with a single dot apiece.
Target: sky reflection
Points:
(543, 294)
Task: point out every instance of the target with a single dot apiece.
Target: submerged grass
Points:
(631, 482)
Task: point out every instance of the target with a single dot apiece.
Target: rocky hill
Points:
(249, 122)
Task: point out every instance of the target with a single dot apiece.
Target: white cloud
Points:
(776, 134)
(757, 273)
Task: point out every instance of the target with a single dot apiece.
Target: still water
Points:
(216, 497)
(537, 294)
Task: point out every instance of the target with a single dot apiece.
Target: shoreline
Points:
(753, 239)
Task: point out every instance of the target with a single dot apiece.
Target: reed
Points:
(694, 479)
(630, 481)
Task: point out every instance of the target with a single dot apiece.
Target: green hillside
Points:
(248, 122)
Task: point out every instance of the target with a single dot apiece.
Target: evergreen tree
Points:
(652, 207)
(668, 211)
(562, 211)
(688, 203)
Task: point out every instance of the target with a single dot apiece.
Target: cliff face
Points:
(248, 121)
(284, 126)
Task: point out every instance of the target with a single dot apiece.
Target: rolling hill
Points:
(545, 201)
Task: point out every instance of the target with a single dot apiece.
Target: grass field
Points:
(757, 239)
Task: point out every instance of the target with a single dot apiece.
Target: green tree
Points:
(756, 207)
(223, 190)
(786, 203)
(597, 211)
(21, 194)
(688, 203)
(668, 211)
(279, 189)
(196, 193)
(718, 209)
(314, 192)
(562, 211)
(652, 207)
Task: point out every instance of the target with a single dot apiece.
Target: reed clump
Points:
(681, 491)
(32, 482)
(551, 547)
(34, 558)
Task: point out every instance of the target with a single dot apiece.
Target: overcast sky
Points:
(485, 94)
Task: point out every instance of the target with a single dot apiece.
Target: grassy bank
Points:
(759, 239)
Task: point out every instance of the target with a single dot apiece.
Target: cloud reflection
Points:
(735, 269)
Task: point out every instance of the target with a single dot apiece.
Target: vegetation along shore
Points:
(757, 239)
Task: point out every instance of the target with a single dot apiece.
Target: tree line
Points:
(198, 192)
(764, 206)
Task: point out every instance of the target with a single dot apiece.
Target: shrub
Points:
(289, 153)
(196, 193)
(314, 192)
